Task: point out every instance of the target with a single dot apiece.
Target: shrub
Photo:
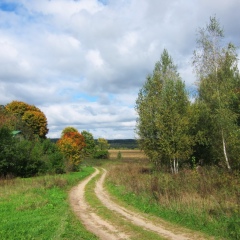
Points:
(119, 155)
(53, 157)
(6, 151)
(25, 158)
(101, 154)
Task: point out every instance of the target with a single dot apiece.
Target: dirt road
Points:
(106, 230)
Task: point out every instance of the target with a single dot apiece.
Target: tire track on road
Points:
(106, 230)
(93, 223)
(131, 216)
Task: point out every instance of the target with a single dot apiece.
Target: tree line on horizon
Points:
(115, 143)
(175, 131)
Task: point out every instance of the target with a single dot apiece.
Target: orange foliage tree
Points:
(31, 115)
(71, 145)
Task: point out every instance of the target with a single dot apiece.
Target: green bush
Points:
(53, 158)
(101, 154)
(119, 155)
(7, 143)
(25, 158)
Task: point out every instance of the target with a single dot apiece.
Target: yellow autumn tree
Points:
(31, 115)
(7, 119)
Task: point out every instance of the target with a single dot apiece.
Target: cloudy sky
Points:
(83, 62)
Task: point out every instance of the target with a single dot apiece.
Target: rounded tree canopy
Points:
(68, 130)
(31, 115)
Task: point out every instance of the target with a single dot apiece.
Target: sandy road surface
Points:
(107, 231)
(91, 220)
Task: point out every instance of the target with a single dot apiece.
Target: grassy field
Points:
(208, 201)
(127, 154)
(38, 208)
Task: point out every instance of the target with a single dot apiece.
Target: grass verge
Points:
(188, 204)
(38, 208)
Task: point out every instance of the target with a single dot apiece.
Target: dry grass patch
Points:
(207, 201)
(127, 154)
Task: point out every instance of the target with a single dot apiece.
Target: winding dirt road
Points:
(106, 230)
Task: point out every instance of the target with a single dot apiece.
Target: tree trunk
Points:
(225, 152)
(175, 166)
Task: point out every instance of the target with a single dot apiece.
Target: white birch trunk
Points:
(171, 165)
(225, 152)
(175, 166)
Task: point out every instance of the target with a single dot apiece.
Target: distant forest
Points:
(116, 143)
(123, 143)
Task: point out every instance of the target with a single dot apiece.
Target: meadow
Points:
(206, 199)
(38, 208)
(127, 154)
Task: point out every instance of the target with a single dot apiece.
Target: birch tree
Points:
(162, 107)
(216, 68)
(173, 122)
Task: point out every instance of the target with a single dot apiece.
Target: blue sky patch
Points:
(87, 97)
(104, 2)
(8, 7)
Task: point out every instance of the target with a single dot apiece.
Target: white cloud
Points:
(94, 58)
(83, 62)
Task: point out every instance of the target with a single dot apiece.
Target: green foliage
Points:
(102, 144)
(163, 123)
(102, 149)
(53, 158)
(171, 129)
(101, 154)
(119, 155)
(7, 143)
(25, 158)
(123, 143)
(90, 147)
(219, 81)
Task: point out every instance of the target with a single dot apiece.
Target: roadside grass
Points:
(114, 218)
(38, 208)
(208, 202)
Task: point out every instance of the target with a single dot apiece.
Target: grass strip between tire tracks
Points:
(134, 231)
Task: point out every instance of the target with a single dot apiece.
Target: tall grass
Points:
(203, 199)
(38, 208)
